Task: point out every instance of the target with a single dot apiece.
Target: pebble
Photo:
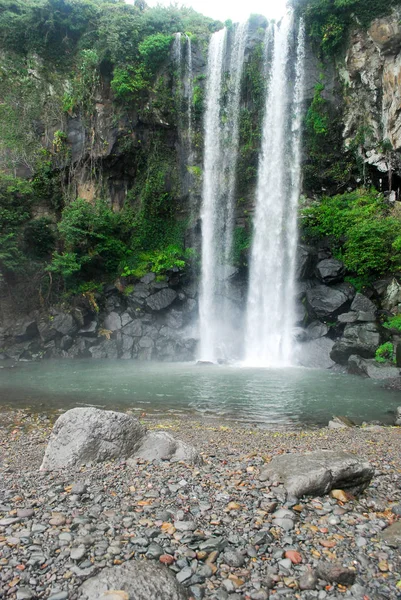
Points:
(224, 533)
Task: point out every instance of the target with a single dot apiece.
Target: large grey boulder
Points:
(362, 303)
(330, 270)
(316, 473)
(160, 445)
(316, 354)
(141, 580)
(323, 301)
(368, 367)
(161, 299)
(360, 339)
(316, 330)
(83, 435)
(306, 258)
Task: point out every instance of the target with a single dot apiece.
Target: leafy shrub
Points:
(385, 353)
(154, 50)
(393, 323)
(39, 238)
(361, 229)
(328, 21)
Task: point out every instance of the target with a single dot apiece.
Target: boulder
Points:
(65, 324)
(348, 317)
(340, 423)
(398, 416)
(362, 340)
(392, 295)
(25, 329)
(398, 355)
(161, 299)
(362, 303)
(330, 270)
(323, 301)
(316, 354)
(83, 435)
(140, 580)
(160, 445)
(112, 322)
(368, 367)
(316, 330)
(316, 473)
(305, 262)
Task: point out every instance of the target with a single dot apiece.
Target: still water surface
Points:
(270, 397)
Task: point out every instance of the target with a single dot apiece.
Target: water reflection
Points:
(271, 397)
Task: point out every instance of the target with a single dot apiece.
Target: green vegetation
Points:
(251, 117)
(328, 21)
(328, 164)
(393, 323)
(241, 244)
(385, 353)
(361, 229)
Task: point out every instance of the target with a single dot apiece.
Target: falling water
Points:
(270, 312)
(188, 91)
(221, 152)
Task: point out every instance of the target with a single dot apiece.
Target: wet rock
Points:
(366, 367)
(141, 580)
(316, 354)
(392, 295)
(398, 416)
(362, 340)
(340, 423)
(348, 317)
(161, 299)
(335, 573)
(25, 329)
(318, 472)
(112, 322)
(316, 330)
(323, 301)
(398, 355)
(306, 258)
(330, 270)
(362, 303)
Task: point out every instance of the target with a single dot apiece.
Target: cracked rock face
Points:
(317, 473)
(372, 73)
(135, 580)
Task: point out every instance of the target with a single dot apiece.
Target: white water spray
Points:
(270, 306)
(221, 153)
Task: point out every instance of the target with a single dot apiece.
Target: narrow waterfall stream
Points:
(270, 304)
(225, 65)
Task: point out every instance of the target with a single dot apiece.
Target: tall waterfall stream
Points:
(268, 327)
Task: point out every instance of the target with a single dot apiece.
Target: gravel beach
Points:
(223, 532)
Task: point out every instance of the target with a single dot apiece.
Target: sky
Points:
(236, 10)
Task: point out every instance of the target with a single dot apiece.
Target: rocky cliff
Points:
(110, 275)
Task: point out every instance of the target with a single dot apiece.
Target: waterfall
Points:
(221, 126)
(270, 305)
(188, 91)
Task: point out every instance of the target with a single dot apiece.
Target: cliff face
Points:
(84, 133)
(371, 75)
